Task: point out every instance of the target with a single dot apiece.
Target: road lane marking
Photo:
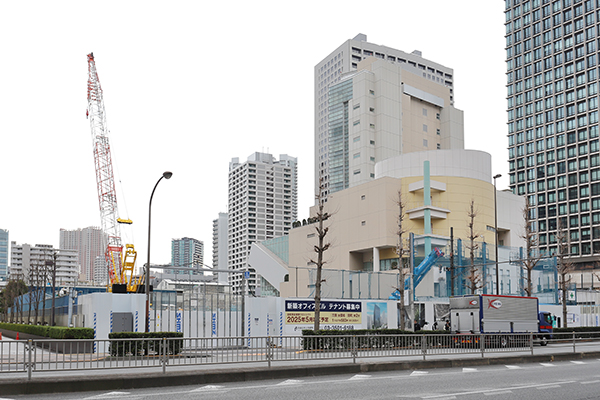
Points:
(417, 373)
(469, 369)
(548, 387)
(513, 367)
(583, 383)
(578, 362)
(290, 382)
(484, 391)
(498, 392)
(207, 388)
(107, 395)
(547, 365)
(356, 377)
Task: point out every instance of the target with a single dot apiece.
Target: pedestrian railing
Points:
(55, 355)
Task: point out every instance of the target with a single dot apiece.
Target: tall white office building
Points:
(263, 199)
(553, 135)
(373, 102)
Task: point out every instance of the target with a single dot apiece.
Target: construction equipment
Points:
(120, 265)
(420, 271)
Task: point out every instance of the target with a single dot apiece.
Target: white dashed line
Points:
(547, 365)
(578, 362)
(109, 394)
(207, 388)
(469, 369)
(583, 383)
(290, 382)
(498, 392)
(356, 377)
(416, 373)
(513, 367)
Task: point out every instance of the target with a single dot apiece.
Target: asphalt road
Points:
(558, 380)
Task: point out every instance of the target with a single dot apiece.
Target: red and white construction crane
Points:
(120, 265)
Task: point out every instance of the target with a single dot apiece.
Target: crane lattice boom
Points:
(105, 180)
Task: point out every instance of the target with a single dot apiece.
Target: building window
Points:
(362, 197)
(424, 112)
(438, 146)
(363, 223)
(372, 92)
(424, 128)
(425, 143)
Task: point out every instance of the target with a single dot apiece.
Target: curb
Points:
(21, 386)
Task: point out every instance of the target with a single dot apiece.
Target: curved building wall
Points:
(472, 164)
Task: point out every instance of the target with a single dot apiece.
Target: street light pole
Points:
(166, 175)
(496, 234)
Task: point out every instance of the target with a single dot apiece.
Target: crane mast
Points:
(105, 180)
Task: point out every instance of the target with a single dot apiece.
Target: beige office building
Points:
(364, 221)
(373, 102)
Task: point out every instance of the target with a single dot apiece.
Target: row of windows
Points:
(560, 126)
(562, 153)
(570, 110)
(555, 48)
(544, 18)
(549, 6)
(518, 94)
(549, 112)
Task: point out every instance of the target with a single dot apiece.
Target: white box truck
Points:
(472, 315)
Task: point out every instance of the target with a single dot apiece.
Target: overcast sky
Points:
(188, 85)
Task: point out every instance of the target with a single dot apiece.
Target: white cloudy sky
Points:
(190, 84)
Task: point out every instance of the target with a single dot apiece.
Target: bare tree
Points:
(12, 297)
(474, 277)
(564, 267)
(320, 248)
(532, 255)
(401, 251)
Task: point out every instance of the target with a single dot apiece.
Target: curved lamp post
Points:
(166, 175)
(496, 234)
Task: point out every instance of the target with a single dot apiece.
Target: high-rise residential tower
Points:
(553, 136)
(263, 199)
(4, 246)
(219, 260)
(367, 110)
(89, 243)
(36, 264)
(188, 254)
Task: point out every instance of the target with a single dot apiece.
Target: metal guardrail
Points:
(57, 355)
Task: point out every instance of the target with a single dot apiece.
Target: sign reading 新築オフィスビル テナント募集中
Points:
(300, 312)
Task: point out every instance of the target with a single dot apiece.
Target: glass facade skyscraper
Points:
(552, 102)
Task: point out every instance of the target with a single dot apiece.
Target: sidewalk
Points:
(16, 383)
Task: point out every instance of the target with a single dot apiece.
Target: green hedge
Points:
(365, 339)
(53, 332)
(144, 343)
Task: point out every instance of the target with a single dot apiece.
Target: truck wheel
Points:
(544, 341)
(503, 341)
